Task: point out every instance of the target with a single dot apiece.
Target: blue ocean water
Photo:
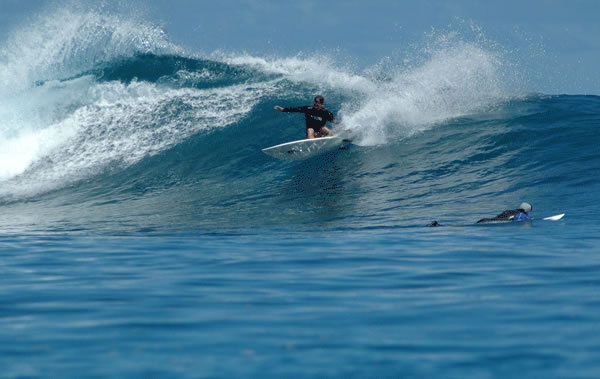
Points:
(143, 233)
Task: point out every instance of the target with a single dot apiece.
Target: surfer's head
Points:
(526, 207)
(319, 101)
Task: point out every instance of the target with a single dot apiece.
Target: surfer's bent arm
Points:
(331, 118)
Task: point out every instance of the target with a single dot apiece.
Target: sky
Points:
(557, 42)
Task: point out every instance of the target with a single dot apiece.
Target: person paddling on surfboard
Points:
(520, 214)
(316, 116)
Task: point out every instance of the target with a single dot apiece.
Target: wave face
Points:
(110, 125)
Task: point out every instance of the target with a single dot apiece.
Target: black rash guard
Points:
(315, 118)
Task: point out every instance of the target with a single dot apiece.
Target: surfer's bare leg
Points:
(310, 133)
(325, 131)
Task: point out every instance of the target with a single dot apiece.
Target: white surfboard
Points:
(304, 148)
(555, 217)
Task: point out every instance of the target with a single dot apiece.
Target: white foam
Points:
(55, 130)
(122, 125)
(66, 42)
(453, 82)
(316, 70)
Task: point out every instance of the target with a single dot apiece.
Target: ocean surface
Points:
(143, 233)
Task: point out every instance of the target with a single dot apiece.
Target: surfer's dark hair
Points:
(319, 99)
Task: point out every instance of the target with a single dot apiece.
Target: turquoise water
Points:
(143, 233)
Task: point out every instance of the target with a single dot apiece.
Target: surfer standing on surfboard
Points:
(316, 116)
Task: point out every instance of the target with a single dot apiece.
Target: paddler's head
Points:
(526, 207)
